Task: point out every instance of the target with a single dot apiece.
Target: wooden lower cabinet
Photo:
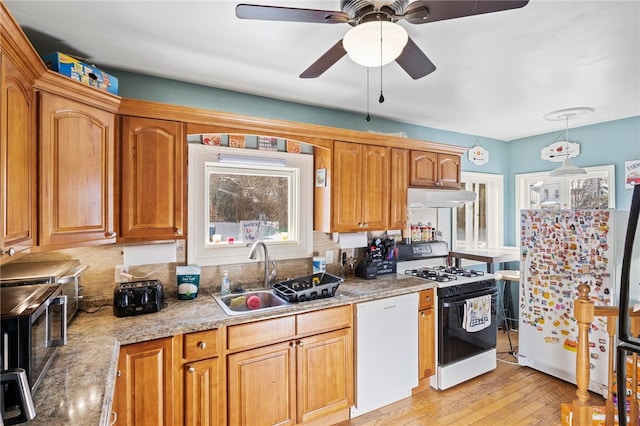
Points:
(145, 383)
(306, 377)
(261, 386)
(426, 335)
(201, 393)
(324, 374)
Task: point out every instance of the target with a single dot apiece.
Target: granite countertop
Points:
(78, 388)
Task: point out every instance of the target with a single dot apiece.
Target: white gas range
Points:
(463, 351)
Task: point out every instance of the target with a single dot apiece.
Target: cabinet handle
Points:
(111, 234)
(179, 231)
(292, 344)
(422, 314)
(10, 252)
(202, 345)
(300, 343)
(115, 418)
(119, 373)
(191, 370)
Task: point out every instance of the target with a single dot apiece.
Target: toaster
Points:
(138, 297)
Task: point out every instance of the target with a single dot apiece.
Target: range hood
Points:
(418, 197)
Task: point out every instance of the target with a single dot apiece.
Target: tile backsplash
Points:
(98, 280)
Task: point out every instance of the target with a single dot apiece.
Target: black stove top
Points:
(443, 273)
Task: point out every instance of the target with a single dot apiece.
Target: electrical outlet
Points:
(329, 256)
(120, 274)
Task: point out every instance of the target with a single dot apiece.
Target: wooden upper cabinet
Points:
(153, 176)
(398, 192)
(18, 160)
(431, 169)
(360, 187)
(76, 164)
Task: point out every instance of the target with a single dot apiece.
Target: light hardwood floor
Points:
(508, 396)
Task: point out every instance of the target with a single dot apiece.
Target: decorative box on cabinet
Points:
(360, 187)
(152, 179)
(291, 370)
(434, 170)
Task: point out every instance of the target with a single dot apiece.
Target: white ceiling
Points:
(497, 74)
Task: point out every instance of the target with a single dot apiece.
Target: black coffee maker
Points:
(16, 404)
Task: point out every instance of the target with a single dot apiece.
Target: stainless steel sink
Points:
(236, 304)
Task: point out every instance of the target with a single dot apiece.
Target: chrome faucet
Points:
(253, 255)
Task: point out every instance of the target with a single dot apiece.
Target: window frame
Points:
(522, 184)
(201, 252)
(494, 209)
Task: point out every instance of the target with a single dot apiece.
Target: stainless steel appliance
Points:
(463, 352)
(67, 273)
(629, 299)
(16, 403)
(33, 325)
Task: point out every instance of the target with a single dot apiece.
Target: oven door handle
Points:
(60, 300)
(461, 300)
(453, 304)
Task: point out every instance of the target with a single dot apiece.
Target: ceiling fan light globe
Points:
(362, 43)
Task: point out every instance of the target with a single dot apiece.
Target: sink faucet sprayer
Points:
(253, 255)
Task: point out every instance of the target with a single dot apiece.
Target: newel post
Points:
(584, 314)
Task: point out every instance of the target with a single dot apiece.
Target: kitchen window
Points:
(253, 195)
(479, 224)
(590, 191)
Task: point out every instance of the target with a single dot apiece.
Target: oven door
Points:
(454, 342)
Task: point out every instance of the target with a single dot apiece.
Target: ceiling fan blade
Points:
(414, 61)
(277, 13)
(423, 11)
(326, 61)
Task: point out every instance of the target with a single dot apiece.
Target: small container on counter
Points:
(188, 279)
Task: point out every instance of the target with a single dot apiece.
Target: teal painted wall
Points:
(612, 142)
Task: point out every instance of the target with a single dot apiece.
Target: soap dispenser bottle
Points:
(224, 288)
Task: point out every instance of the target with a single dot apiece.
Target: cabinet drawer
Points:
(324, 320)
(426, 299)
(200, 345)
(260, 333)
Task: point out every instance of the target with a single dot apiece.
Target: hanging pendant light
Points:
(567, 168)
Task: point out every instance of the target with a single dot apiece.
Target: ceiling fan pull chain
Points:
(381, 98)
(368, 117)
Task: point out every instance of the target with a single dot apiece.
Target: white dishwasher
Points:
(386, 351)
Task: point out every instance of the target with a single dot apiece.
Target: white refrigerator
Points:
(559, 250)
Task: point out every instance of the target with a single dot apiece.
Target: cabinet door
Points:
(347, 187)
(424, 169)
(375, 185)
(426, 343)
(144, 384)
(201, 393)
(153, 178)
(76, 165)
(398, 192)
(449, 171)
(261, 386)
(325, 374)
(17, 156)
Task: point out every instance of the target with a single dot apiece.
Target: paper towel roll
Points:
(352, 240)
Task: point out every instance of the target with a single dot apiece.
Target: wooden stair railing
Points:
(584, 312)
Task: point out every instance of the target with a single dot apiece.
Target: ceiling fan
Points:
(358, 12)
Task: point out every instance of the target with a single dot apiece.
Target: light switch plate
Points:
(329, 256)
